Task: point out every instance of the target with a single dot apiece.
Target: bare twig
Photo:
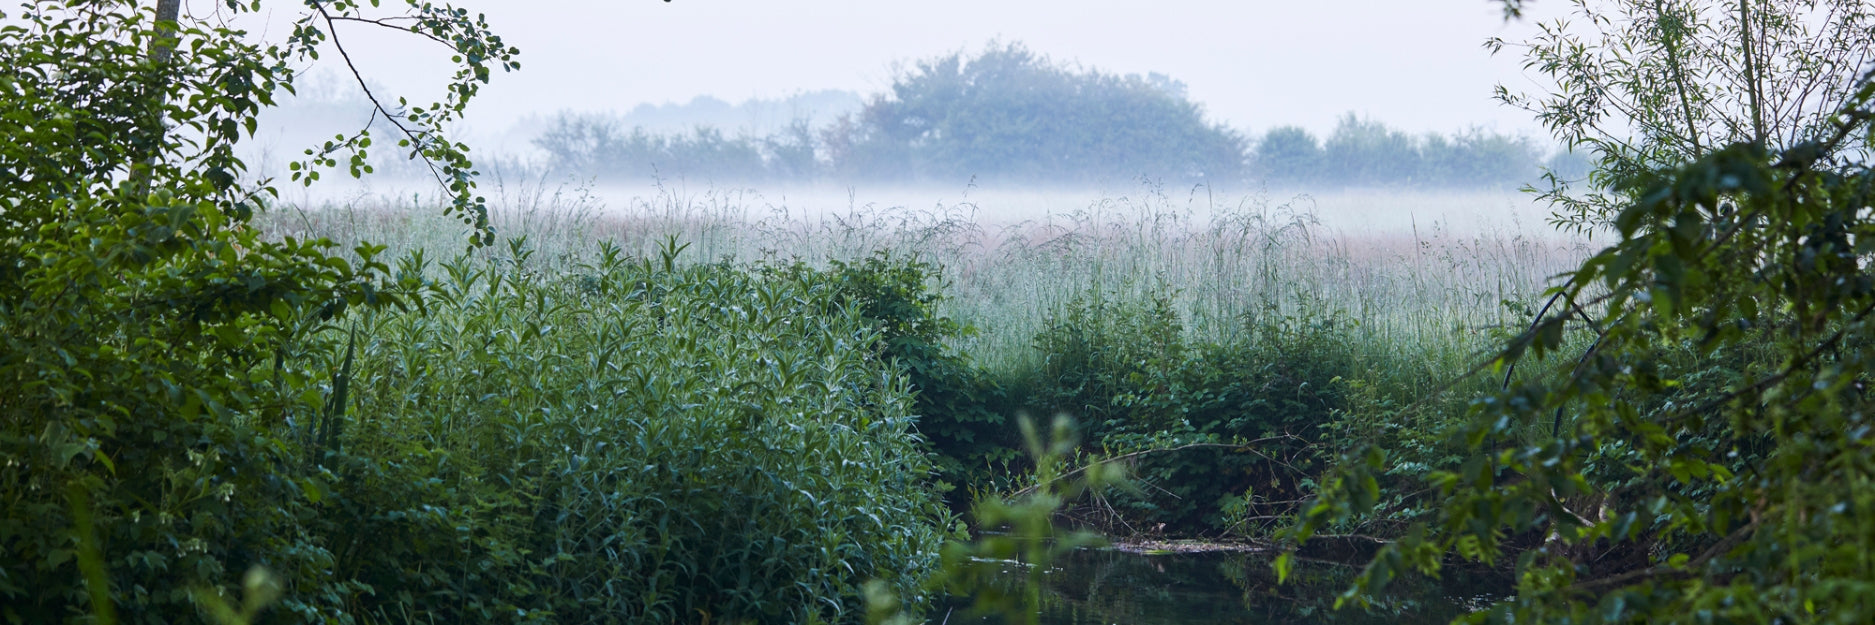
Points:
(332, 26)
(1725, 544)
(391, 23)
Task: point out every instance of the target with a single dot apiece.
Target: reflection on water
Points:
(1106, 587)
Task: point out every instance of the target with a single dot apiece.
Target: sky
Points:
(1414, 64)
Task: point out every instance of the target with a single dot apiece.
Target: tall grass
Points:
(1428, 295)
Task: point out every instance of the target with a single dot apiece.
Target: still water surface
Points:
(1107, 587)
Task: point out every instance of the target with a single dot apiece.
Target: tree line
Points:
(1008, 114)
(1365, 152)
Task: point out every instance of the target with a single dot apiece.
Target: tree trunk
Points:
(1671, 31)
(161, 49)
(1751, 72)
(167, 12)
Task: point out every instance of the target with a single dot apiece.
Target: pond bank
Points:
(1221, 583)
(1153, 547)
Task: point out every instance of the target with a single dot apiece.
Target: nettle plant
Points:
(159, 413)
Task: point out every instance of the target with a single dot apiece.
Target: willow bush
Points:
(1705, 457)
(961, 408)
(634, 441)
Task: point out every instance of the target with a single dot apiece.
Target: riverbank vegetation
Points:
(1702, 458)
(1154, 321)
(203, 413)
(535, 409)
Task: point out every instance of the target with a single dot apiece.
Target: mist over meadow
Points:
(998, 119)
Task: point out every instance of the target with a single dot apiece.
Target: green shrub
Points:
(1126, 368)
(150, 412)
(1105, 360)
(961, 410)
(638, 442)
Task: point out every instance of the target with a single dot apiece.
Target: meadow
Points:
(1417, 274)
(1155, 319)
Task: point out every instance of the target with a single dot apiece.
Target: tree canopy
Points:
(161, 398)
(1367, 153)
(1682, 433)
(1010, 113)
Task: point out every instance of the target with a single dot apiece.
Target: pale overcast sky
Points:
(1415, 64)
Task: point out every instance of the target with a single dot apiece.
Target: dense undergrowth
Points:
(208, 404)
(635, 441)
(1227, 359)
(590, 434)
(215, 398)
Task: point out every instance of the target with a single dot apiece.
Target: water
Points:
(1107, 587)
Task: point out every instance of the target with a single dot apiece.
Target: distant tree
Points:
(580, 144)
(1475, 157)
(1288, 154)
(1369, 153)
(1569, 165)
(598, 146)
(792, 154)
(704, 150)
(1366, 152)
(1010, 114)
(844, 143)
(763, 116)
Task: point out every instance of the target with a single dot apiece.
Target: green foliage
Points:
(1707, 457)
(1108, 361)
(1236, 588)
(961, 409)
(1212, 427)
(1645, 85)
(147, 348)
(259, 590)
(634, 442)
(1702, 459)
(152, 341)
(1019, 531)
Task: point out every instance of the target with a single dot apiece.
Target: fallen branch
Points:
(1146, 452)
